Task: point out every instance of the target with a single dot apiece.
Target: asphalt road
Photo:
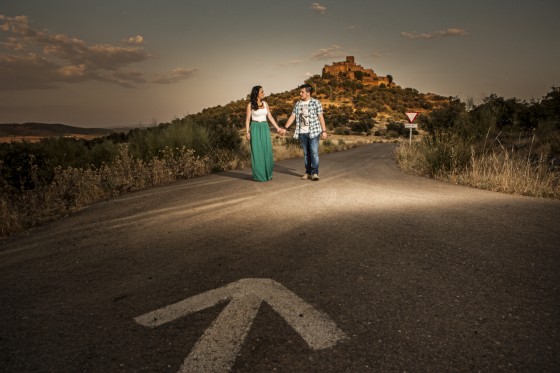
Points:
(368, 269)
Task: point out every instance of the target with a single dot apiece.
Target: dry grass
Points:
(224, 159)
(508, 173)
(500, 170)
(10, 223)
(411, 159)
(286, 147)
(75, 188)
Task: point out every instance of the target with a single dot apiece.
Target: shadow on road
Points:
(286, 170)
(236, 175)
(244, 176)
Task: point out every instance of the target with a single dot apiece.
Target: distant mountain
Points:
(49, 130)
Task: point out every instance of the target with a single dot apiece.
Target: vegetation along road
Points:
(368, 269)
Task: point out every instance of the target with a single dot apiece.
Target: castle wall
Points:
(349, 69)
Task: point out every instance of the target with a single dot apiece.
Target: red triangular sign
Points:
(411, 116)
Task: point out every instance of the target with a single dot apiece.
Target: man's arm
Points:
(323, 126)
(290, 120)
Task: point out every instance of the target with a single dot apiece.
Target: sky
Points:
(114, 63)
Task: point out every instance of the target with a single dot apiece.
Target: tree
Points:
(443, 119)
(551, 104)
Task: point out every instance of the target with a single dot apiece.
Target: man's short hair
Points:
(307, 87)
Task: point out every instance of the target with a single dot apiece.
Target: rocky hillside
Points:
(349, 105)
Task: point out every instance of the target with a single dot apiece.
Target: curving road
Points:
(368, 269)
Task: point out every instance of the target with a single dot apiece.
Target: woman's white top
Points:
(259, 115)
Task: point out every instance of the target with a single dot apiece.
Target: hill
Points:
(355, 101)
(349, 105)
(32, 131)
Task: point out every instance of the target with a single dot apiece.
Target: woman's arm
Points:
(248, 122)
(271, 119)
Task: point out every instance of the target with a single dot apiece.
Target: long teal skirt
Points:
(262, 159)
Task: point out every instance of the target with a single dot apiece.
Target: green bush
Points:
(397, 128)
(148, 143)
(27, 165)
(445, 153)
(359, 127)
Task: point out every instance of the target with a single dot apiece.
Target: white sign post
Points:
(411, 116)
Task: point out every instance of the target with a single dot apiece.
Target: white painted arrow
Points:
(217, 348)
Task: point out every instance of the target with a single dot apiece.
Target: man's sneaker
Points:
(306, 177)
(315, 177)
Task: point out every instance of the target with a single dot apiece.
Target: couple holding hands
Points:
(310, 127)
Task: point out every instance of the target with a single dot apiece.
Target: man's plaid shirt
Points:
(315, 109)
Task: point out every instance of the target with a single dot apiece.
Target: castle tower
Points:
(349, 68)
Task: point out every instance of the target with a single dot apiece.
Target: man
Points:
(310, 126)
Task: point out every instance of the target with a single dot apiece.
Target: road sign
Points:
(217, 349)
(411, 116)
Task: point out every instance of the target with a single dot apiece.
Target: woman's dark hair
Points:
(254, 94)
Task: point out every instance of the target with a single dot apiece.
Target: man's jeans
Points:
(310, 153)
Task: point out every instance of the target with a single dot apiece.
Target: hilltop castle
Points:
(350, 70)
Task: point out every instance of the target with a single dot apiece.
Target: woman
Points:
(258, 134)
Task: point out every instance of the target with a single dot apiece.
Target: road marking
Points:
(216, 350)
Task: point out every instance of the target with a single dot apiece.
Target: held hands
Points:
(281, 131)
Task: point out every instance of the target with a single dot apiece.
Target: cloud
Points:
(73, 70)
(330, 53)
(17, 25)
(377, 55)
(134, 40)
(290, 62)
(13, 44)
(435, 34)
(127, 78)
(318, 8)
(39, 59)
(28, 72)
(176, 76)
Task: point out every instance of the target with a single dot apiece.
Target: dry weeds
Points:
(501, 171)
(75, 188)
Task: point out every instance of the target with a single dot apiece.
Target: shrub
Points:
(397, 128)
(148, 143)
(359, 127)
(73, 188)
